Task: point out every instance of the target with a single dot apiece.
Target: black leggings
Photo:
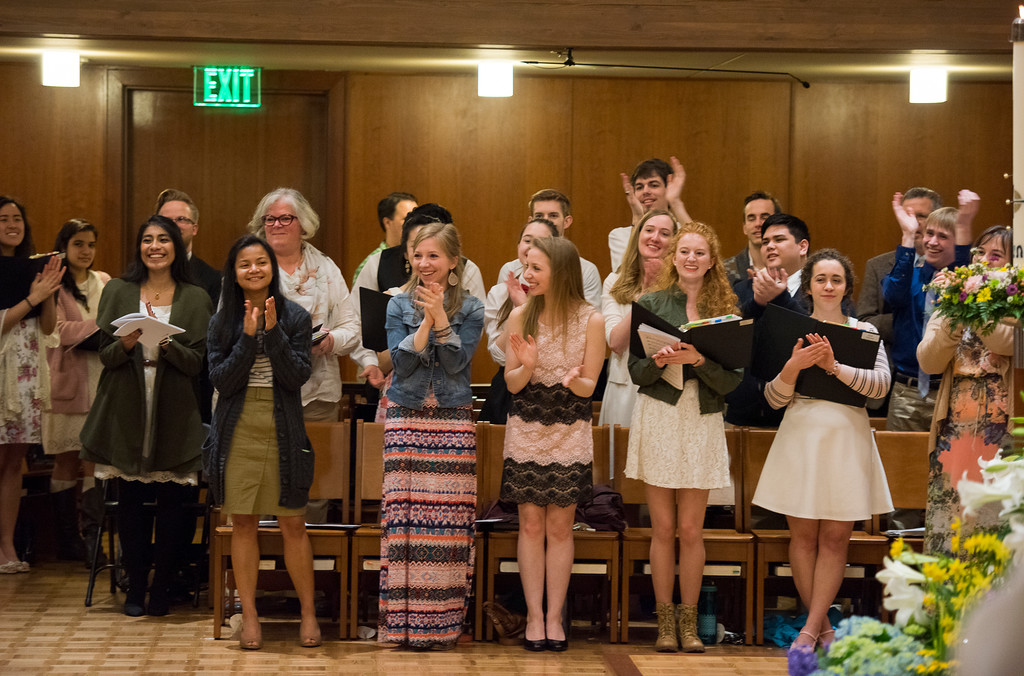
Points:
(175, 527)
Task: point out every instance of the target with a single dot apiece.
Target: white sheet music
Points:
(653, 340)
(153, 330)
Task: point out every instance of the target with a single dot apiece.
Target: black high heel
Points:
(535, 646)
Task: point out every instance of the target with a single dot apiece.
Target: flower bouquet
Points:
(977, 296)
(931, 594)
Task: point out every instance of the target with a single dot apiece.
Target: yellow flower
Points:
(896, 549)
(954, 544)
(984, 295)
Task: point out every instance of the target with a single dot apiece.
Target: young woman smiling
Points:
(556, 346)
(677, 437)
(144, 430)
(429, 505)
(74, 376)
(257, 458)
(823, 471)
(26, 320)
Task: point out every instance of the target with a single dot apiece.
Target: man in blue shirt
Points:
(947, 243)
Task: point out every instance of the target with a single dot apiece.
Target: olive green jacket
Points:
(113, 432)
(713, 381)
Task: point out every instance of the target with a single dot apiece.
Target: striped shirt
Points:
(261, 374)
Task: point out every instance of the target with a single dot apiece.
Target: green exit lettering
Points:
(226, 86)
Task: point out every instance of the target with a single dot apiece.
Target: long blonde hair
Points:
(630, 284)
(716, 295)
(448, 239)
(564, 296)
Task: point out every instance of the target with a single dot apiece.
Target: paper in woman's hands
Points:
(653, 340)
(153, 330)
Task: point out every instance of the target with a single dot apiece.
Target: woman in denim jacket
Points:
(429, 494)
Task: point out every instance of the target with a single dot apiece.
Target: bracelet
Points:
(701, 362)
(30, 305)
(835, 368)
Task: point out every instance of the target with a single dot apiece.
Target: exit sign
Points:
(226, 86)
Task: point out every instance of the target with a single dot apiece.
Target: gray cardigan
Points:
(288, 346)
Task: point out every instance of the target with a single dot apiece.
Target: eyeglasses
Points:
(183, 220)
(283, 219)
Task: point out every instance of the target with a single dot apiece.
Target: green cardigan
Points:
(113, 432)
(713, 381)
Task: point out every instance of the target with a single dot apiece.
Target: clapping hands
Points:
(525, 350)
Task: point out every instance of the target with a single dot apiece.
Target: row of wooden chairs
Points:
(904, 454)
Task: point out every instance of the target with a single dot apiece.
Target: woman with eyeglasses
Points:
(285, 219)
(971, 408)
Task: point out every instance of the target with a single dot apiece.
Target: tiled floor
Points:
(45, 628)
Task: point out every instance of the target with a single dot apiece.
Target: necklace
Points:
(156, 294)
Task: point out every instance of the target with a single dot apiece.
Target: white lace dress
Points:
(677, 446)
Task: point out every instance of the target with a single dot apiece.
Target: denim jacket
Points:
(443, 366)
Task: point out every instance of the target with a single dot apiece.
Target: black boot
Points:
(70, 546)
(135, 599)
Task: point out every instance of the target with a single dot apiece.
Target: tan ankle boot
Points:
(667, 641)
(687, 619)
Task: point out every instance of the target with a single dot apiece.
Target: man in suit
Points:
(785, 242)
(179, 207)
(872, 306)
(757, 207)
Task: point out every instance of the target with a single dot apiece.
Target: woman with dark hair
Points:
(823, 470)
(429, 505)
(74, 375)
(972, 407)
(258, 459)
(144, 429)
(677, 436)
(28, 316)
(556, 346)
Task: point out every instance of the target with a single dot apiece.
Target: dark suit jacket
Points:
(208, 278)
(873, 308)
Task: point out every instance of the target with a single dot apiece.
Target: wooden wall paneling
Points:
(854, 145)
(726, 24)
(52, 140)
(480, 158)
(226, 159)
(731, 137)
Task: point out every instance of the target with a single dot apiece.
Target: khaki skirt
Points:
(252, 478)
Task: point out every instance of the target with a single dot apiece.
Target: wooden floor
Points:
(46, 629)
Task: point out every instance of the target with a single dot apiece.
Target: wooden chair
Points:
(369, 483)
(331, 444)
(721, 545)
(602, 546)
(905, 459)
(773, 545)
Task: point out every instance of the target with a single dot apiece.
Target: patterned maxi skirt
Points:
(976, 428)
(427, 521)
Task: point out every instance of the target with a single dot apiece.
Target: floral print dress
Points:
(974, 428)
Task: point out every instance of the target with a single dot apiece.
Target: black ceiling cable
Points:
(570, 61)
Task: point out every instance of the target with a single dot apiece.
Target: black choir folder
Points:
(373, 309)
(778, 330)
(725, 341)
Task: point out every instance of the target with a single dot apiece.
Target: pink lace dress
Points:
(549, 446)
